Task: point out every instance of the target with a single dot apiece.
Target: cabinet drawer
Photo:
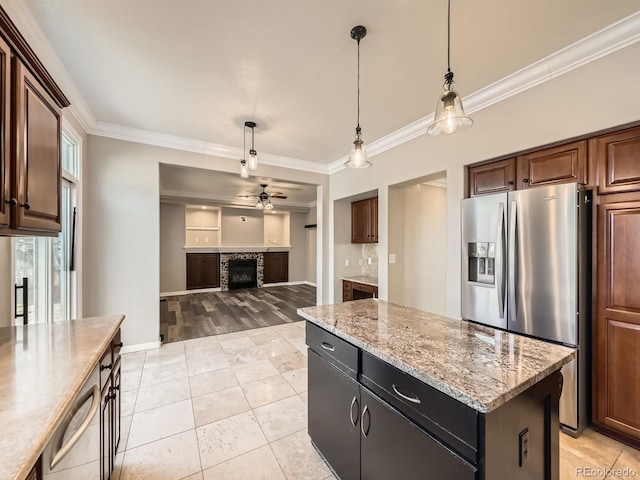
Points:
(333, 349)
(361, 287)
(347, 286)
(106, 365)
(451, 421)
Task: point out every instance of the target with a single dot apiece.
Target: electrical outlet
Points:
(369, 261)
(347, 263)
(392, 258)
(524, 446)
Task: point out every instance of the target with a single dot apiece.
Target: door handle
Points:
(354, 402)
(365, 410)
(57, 454)
(511, 282)
(500, 260)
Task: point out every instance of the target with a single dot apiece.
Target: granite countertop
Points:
(479, 366)
(362, 279)
(43, 368)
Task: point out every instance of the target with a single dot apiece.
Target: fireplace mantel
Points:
(238, 249)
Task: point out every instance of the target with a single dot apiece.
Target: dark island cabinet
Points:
(203, 270)
(334, 413)
(372, 421)
(276, 267)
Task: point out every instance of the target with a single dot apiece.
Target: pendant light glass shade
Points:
(450, 115)
(358, 156)
(268, 205)
(253, 159)
(244, 169)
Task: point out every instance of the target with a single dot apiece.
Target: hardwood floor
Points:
(183, 317)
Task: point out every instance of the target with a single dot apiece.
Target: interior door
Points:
(543, 262)
(483, 259)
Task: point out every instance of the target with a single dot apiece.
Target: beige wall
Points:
(312, 240)
(576, 103)
(298, 252)
(274, 229)
(396, 246)
(237, 233)
(425, 248)
(6, 282)
(173, 264)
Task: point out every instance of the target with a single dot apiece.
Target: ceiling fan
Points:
(264, 198)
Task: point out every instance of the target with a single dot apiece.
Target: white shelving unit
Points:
(202, 226)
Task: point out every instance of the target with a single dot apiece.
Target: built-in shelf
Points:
(202, 226)
(212, 229)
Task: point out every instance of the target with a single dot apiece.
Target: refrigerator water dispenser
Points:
(482, 262)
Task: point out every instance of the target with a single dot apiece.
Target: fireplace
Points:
(243, 273)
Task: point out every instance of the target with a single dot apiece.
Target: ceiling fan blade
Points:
(277, 195)
(247, 196)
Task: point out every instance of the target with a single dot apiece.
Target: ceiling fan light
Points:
(259, 205)
(450, 116)
(268, 205)
(244, 169)
(253, 159)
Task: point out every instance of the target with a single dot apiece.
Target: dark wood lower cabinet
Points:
(203, 270)
(116, 399)
(393, 447)
(106, 465)
(276, 267)
(334, 412)
(617, 326)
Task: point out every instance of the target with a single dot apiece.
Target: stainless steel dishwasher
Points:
(73, 453)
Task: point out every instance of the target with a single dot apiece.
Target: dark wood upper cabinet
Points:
(494, 177)
(5, 134)
(618, 158)
(617, 326)
(38, 135)
(30, 139)
(276, 267)
(364, 221)
(562, 164)
(203, 270)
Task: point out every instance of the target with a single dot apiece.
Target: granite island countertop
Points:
(479, 366)
(43, 368)
(364, 279)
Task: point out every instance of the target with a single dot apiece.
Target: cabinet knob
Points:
(525, 180)
(11, 201)
(26, 205)
(510, 182)
(118, 345)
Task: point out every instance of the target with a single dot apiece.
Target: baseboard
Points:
(280, 284)
(187, 292)
(140, 347)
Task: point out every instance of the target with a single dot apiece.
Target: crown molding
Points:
(181, 196)
(610, 39)
(197, 146)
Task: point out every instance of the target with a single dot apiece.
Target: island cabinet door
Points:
(334, 417)
(393, 447)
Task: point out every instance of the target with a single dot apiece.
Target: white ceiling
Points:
(199, 69)
(185, 184)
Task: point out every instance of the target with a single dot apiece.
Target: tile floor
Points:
(233, 406)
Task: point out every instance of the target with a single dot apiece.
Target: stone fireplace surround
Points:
(224, 267)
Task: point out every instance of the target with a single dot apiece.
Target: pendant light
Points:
(450, 114)
(253, 155)
(244, 168)
(358, 156)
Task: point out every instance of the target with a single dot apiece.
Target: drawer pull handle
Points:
(106, 367)
(354, 402)
(409, 399)
(328, 346)
(364, 412)
(118, 345)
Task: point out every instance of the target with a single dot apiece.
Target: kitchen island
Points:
(396, 392)
(43, 368)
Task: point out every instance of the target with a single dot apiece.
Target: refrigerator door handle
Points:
(500, 260)
(511, 265)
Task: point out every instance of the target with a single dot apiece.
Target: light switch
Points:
(347, 263)
(392, 258)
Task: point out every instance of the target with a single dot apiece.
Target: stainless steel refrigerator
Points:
(526, 269)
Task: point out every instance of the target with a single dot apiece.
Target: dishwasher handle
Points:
(57, 454)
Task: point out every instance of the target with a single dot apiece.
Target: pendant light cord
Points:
(358, 126)
(449, 37)
(244, 141)
(252, 138)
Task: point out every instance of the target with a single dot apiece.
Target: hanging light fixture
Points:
(450, 114)
(244, 169)
(253, 155)
(358, 156)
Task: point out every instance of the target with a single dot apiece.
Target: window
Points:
(49, 262)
